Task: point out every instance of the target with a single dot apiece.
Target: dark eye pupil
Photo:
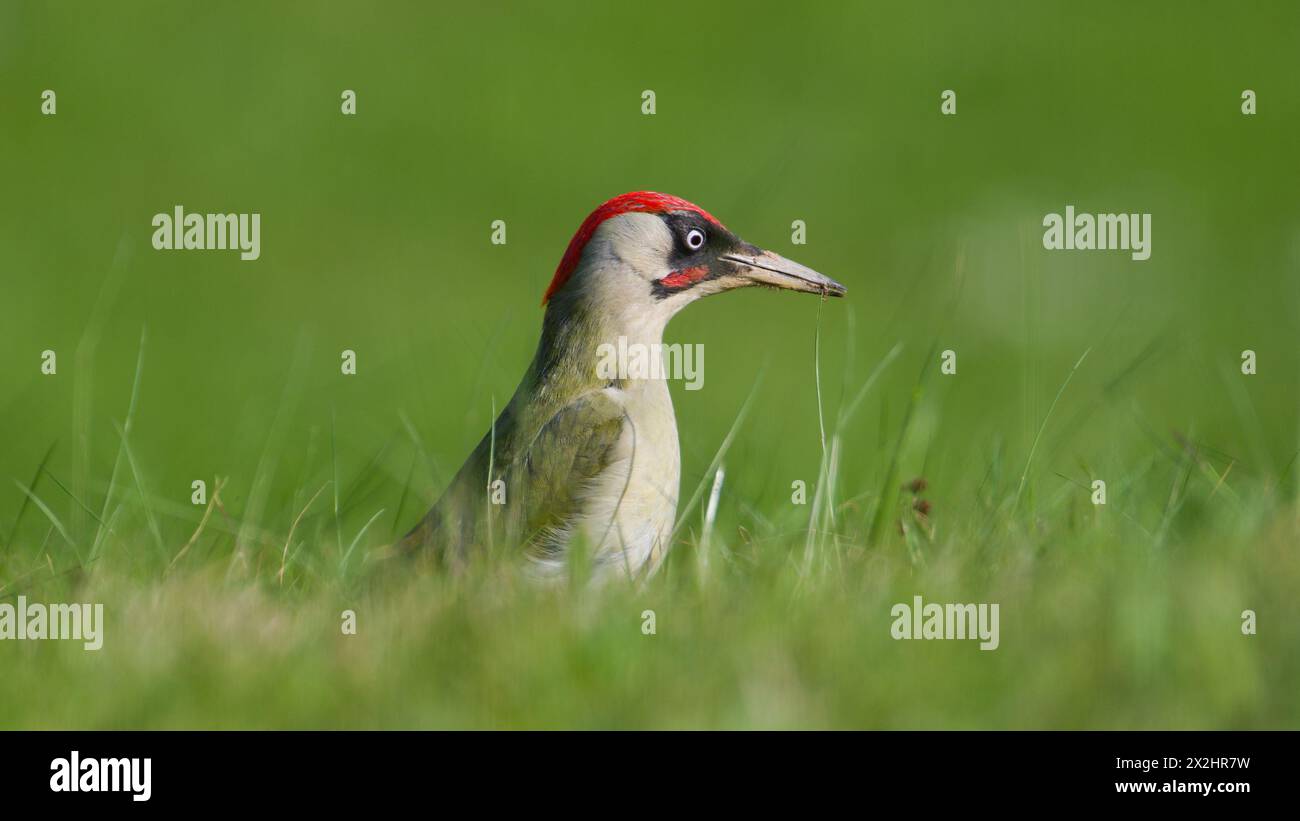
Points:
(694, 239)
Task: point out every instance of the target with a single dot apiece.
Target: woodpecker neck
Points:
(577, 324)
(608, 296)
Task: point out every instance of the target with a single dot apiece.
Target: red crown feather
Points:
(648, 202)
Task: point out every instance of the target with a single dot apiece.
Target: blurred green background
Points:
(375, 238)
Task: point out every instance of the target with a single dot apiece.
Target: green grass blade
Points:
(1033, 449)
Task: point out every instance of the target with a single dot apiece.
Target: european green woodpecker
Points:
(581, 458)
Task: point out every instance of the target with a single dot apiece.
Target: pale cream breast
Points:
(629, 513)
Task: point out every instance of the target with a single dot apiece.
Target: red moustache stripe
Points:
(684, 277)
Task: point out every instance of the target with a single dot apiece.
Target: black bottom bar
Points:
(299, 770)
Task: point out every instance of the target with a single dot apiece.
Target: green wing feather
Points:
(544, 479)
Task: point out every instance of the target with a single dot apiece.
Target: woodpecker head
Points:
(649, 255)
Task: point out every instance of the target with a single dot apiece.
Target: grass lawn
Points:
(773, 609)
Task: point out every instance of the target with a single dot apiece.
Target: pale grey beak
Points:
(767, 268)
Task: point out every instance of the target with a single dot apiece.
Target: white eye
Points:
(695, 239)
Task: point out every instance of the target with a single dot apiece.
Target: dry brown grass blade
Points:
(284, 557)
(217, 485)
